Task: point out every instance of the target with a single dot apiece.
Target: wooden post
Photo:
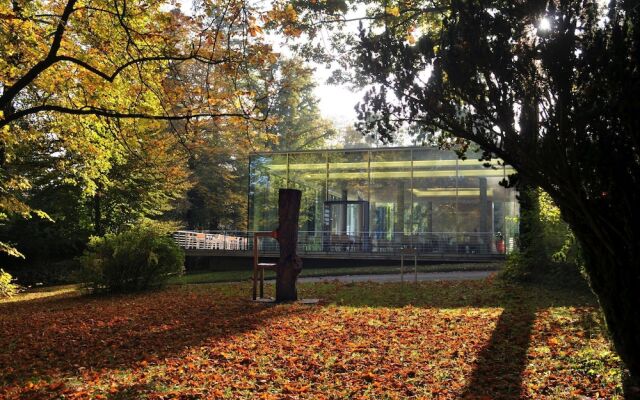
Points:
(289, 264)
(255, 266)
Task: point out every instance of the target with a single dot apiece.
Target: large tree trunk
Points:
(289, 264)
(611, 249)
(529, 217)
(615, 279)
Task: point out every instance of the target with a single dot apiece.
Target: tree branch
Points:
(101, 112)
(11, 91)
(111, 77)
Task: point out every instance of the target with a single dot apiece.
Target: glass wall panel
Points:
(268, 174)
(386, 199)
(435, 199)
(484, 205)
(346, 209)
(391, 198)
(474, 206)
(348, 175)
(505, 213)
(308, 173)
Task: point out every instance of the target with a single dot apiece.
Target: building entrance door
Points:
(346, 225)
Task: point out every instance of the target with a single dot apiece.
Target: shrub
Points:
(549, 251)
(517, 268)
(140, 258)
(7, 287)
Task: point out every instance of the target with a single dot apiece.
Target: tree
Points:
(142, 180)
(298, 124)
(68, 56)
(351, 138)
(219, 166)
(97, 64)
(110, 180)
(220, 161)
(551, 88)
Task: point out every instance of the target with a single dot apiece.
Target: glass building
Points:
(386, 200)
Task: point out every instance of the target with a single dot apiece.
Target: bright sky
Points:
(336, 102)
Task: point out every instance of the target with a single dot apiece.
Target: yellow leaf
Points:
(395, 11)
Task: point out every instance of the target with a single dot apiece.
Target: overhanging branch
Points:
(111, 77)
(101, 112)
(10, 92)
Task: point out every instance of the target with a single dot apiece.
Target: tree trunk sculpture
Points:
(289, 264)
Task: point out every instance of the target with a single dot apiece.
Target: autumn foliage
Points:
(115, 96)
(431, 341)
(7, 286)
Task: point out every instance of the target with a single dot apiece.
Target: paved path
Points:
(408, 277)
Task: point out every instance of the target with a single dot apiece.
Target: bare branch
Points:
(111, 77)
(101, 112)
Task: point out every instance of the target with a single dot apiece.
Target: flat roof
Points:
(350, 150)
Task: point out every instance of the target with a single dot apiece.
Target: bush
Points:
(7, 287)
(517, 268)
(548, 250)
(140, 258)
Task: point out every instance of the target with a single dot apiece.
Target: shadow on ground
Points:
(48, 337)
(72, 335)
(498, 372)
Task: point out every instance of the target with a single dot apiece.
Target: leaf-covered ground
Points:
(440, 340)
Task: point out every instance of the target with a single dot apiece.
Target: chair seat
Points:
(269, 266)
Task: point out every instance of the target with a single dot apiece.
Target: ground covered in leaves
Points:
(440, 340)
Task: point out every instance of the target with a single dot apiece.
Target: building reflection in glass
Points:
(384, 200)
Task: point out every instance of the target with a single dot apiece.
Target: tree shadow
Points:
(499, 367)
(75, 335)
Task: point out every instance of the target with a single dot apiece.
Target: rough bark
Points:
(611, 252)
(289, 264)
(535, 258)
(615, 279)
(529, 214)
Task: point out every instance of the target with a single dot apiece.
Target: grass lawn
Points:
(242, 275)
(434, 340)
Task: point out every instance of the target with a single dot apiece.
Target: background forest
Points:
(107, 186)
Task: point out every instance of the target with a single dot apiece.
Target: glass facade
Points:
(380, 200)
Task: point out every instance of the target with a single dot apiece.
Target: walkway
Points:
(408, 277)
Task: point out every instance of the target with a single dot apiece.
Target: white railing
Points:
(210, 241)
(375, 242)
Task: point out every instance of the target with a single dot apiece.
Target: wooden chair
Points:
(258, 267)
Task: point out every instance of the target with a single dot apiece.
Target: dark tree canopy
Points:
(550, 87)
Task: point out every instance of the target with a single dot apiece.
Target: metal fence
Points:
(310, 242)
